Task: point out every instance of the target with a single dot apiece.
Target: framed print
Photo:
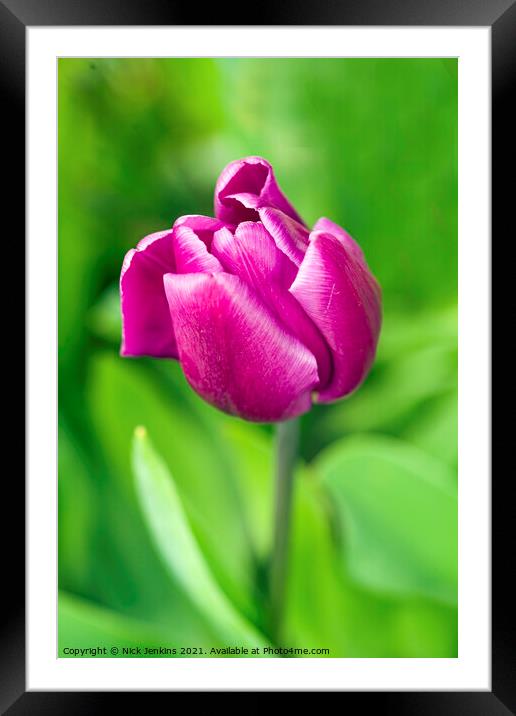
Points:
(258, 267)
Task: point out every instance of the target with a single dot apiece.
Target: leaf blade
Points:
(178, 547)
(398, 509)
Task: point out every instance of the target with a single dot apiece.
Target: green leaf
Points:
(325, 609)
(125, 393)
(397, 509)
(178, 547)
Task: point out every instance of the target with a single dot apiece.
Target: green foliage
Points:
(177, 545)
(397, 514)
(328, 607)
(126, 393)
(178, 556)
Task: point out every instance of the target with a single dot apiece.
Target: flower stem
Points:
(287, 439)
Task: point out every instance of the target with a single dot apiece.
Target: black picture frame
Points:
(15, 17)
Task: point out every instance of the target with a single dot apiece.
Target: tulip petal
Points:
(329, 227)
(146, 325)
(233, 351)
(245, 186)
(252, 255)
(203, 226)
(290, 236)
(191, 253)
(342, 297)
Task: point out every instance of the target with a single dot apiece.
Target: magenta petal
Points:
(146, 325)
(290, 236)
(342, 297)
(245, 186)
(203, 226)
(191, 254)
(233, 351)
(329, 227)
(252, 255)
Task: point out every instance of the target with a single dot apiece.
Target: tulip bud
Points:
(263, 315)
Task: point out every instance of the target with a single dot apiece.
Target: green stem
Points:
(287, 439)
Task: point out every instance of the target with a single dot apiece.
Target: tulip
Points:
(264, 315)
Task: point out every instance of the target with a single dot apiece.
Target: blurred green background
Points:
(165, 541)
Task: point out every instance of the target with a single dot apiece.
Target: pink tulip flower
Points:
(264, 315)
